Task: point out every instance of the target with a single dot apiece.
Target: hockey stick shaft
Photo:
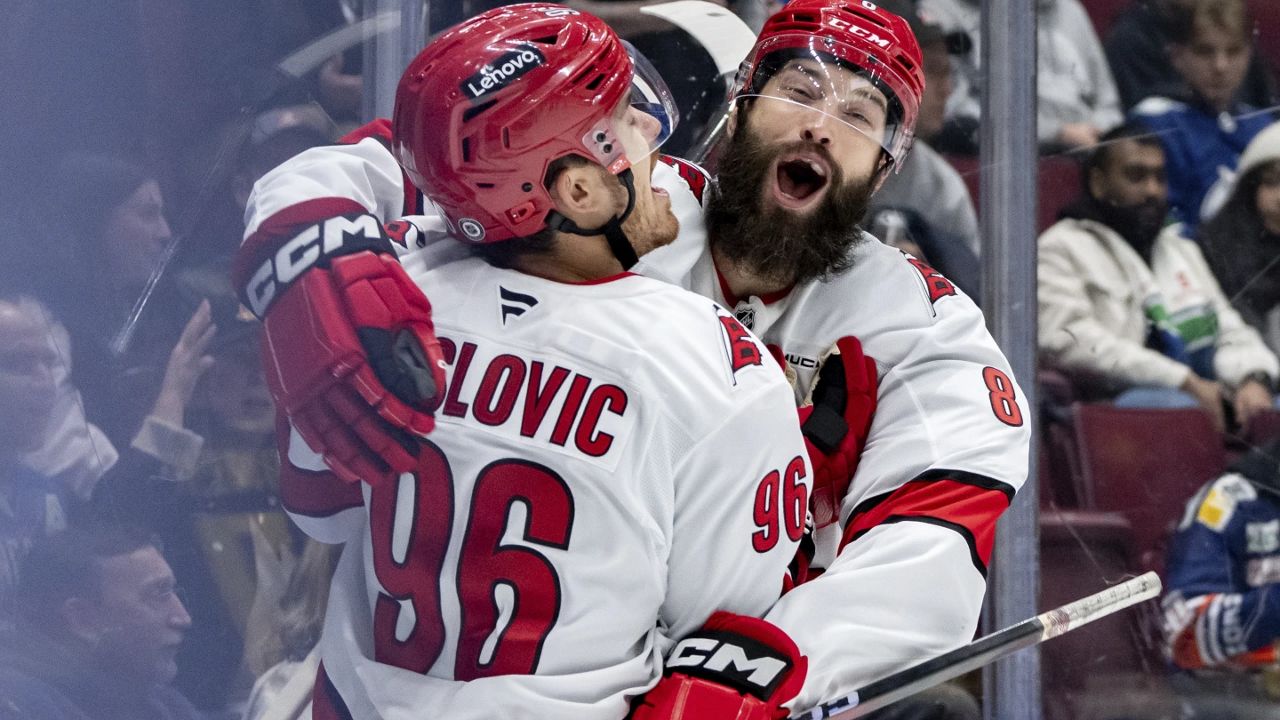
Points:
(1030, 632)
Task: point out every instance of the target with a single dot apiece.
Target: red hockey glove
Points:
(836, 425)
(349, 349)
(735, 668)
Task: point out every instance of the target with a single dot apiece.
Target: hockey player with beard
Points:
(905, 510)
(616, 464)
(905, 518)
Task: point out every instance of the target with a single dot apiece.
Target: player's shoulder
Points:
(908, 291)
(654, 332)
(692, 336)
(674, 173)
(1219, 502)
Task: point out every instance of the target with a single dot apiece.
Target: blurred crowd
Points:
(146, 568)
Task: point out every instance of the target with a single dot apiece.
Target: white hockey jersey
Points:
(947, 450)
(613, 462)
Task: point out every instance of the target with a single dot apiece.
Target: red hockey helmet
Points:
(824, 40)
(485, 108)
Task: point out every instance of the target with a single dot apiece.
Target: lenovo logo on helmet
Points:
(502, 72)
(841, 24)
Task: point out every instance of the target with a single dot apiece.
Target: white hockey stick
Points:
(982, 651)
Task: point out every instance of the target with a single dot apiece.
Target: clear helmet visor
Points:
(640, 124)
(818, 80)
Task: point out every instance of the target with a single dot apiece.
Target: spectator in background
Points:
(1219, 606)
(229, 540)
(283, 691)
(1077, 97)
(30, 502)
(1130, 310)
(1242, 242)
(74, 452)
(277, 135)
(925, 208)
(1137, 47)
(101, 625)
(259, 144)
(110, 232)
(1204, 133)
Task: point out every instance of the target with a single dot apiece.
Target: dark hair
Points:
(1234, 247)
(88, 186)
(1100, 157)
(1230, 15)
(506, 254)
(68, 565)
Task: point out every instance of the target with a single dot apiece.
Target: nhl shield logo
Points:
(746, 316)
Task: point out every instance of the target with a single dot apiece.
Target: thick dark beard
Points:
(1139, 224)
(775, 243)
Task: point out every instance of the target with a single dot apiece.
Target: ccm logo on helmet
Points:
(861, 32)
(501, 72)
(335, 236)
(730, 660)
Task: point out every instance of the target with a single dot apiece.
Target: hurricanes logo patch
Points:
(742, 348)
(494, 76)
(693, 175)
(515, 304)
(938, 286)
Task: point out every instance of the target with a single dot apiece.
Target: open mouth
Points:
(799, 181)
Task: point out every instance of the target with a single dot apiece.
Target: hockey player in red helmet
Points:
(615, 465)
(482, 152)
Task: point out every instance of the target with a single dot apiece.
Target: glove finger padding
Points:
(392, 320)
(835, 420)
(735, 667)
(324, 371)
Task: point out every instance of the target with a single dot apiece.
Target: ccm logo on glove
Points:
(731, 659)
(315, 245)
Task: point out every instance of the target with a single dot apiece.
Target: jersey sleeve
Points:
(741, 499)
(360, 176)
(1216, 610)
(947, 450)
(320, 503)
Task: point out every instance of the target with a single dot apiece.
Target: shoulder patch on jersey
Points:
(1219, 504)
(741, 348)
(935, 283)
(695, 177)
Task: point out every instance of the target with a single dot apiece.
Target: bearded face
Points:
(784, 208)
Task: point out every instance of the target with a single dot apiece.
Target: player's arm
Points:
(1073, 338)
(349, 348)
(740, 506)
(321, 504)
(1208, 622)
(947, 450)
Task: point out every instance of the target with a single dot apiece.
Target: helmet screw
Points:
(527, 187)
(600, 137)
(608, 148)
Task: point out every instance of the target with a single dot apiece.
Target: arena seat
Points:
(1145, 464)
(1266, 22)
(1057, 183)
(1104, 12)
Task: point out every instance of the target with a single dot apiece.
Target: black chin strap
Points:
(619, 245)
